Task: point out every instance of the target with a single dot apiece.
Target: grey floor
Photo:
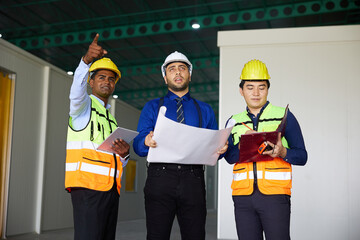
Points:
(129, 230)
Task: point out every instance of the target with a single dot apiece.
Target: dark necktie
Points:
(179, 110)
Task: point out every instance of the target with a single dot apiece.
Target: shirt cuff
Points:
(286, 158)
(124, 160)
(82, 73)
(84, 64)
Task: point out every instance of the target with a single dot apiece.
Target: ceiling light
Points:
(0, 35)
(195, 25)
(70, 73)
(115, 96)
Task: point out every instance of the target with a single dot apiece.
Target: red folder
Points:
(249, 143)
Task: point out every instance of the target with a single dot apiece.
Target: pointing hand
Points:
(94, 51)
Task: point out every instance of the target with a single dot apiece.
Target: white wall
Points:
(25, 151)
(316, 71)
(37, 200)
(56, 203)
(131, 203)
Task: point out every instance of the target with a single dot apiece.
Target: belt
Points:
(175, 166)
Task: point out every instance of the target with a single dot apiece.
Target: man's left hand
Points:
(121, 147)
(224, 148)
(278, 150)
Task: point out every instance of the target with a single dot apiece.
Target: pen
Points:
(246, 125)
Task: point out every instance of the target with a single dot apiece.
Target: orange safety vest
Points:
(271, 177)
(85, 166)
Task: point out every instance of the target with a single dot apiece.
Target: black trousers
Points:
(260, 213)
(175, 189)
(95, 213)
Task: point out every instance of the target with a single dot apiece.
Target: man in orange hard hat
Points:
(262, 189)
(93, 177)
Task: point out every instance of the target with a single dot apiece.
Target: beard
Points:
(178, 88)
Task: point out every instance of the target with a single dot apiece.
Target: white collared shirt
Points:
(80, 101)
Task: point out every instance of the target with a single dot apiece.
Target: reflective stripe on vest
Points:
(273, 177)
(86, 167)
(85, 144)
(268, 175)
(278, 175)
(81, 145)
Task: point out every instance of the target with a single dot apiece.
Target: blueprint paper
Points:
(180, 143)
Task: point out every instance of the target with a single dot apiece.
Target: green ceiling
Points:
(140, 34)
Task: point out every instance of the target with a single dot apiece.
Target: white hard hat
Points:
(175, 57)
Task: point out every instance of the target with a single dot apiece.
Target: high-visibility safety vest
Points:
(271, 177)
(85, 166)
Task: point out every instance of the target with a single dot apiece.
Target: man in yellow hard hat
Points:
(262, 189)
(93, 177)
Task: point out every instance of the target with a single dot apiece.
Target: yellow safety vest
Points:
(271, 177)
(85, 166)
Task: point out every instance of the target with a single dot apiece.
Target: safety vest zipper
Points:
(254, 163)
(92, 131)
(108, 119)
(103, 132)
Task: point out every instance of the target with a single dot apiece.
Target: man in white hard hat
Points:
(174, 189)
(262, 189)
(93, 177)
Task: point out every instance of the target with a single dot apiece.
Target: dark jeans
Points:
(175, 189)
(95, 213)
(260, 213)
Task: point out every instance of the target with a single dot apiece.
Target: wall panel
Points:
(131, 203)
(26, 128)
(57, 208)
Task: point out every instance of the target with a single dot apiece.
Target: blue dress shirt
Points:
(296, 153)
(149, 115)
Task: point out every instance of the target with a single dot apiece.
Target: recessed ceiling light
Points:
(195, 25)
(70, 73)
(115, 96)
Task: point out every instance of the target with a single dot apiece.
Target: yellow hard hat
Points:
(255, 70)
(105, 63)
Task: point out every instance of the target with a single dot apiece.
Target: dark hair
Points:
(93, 74)
(241, 85)
(176, 61)
(188, 66)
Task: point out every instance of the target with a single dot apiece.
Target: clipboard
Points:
(120, 133)
(249, 143)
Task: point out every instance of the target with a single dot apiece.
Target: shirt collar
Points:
(262, 109)
(101, 101)
(173, 96)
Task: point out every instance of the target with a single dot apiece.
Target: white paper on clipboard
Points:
(120, 133)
